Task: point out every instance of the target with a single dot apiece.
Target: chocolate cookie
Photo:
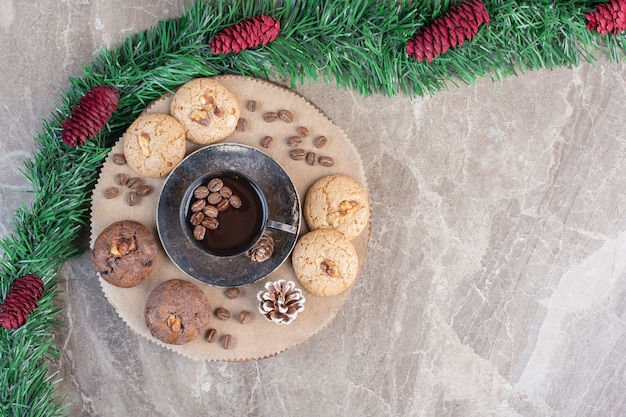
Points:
(154, 144)
(337, 202)
(207, 110)
(177, 312)
(325, 262)
(124, 253)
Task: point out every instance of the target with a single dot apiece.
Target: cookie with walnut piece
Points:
(154, 144)
(325, 262)
(125, 253)
(337, 202)
(208, 111)
(177, 311)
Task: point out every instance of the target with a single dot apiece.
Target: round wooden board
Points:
(259, 338)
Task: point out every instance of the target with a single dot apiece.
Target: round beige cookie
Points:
(325, 262)
(337, 202)
(154, 144)
(206, 109)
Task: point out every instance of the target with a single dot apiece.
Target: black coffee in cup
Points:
(228, 217)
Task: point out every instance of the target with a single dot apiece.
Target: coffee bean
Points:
(232, 293)
(310, 158)
(242, 125)
(199, 232)
(132, 198)
(144, 190)
(198, 205)
(223, 205)
(211, 335)
(270, 116)
(211, 223)
(197, 218)
(120, 179)
(251, 105)
(111, 192)
(210, 211)
(119, 159)
(235, 201)
(326, 161)
(294, 141)
(227, 341)
(226, 192)
(134, 183)
(320, 141)
(201, 192)
(285, 116)
(215, 185)
(303, 132)
(266, 142)
(222, 314)
(214, 198)
(297, 154)
(244, 317)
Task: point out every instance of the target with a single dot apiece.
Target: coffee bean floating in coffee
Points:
(229, 210)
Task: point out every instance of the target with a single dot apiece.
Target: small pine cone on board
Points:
(281, 301)
(263, 250)
(21, 300)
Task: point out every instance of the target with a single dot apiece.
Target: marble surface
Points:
(495, 283)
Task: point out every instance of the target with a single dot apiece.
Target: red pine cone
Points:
(90, 114)
(459, 24)
(608, 17)
(21, 300)
(251, 32)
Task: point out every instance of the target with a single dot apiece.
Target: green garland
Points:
(355, 45)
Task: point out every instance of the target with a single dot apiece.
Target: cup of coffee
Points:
(225, 213)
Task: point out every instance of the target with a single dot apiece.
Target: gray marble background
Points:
(495, 282)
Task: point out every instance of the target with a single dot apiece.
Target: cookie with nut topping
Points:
(208, 111)
(325, 262)
(177, 311)
(337, 202)
(154, 144)
(125, 253)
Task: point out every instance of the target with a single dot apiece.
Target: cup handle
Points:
(282, 226)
